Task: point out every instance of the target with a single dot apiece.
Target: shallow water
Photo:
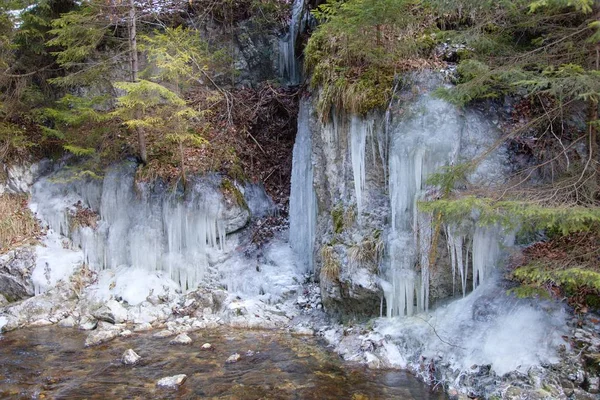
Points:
(52, 363)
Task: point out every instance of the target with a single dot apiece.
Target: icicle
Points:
(421, 143)
(425, 242)
(359, 130)
(137, 229)
(303, 201)
(486, 252)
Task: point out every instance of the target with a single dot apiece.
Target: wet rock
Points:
(98, 337)
(181, 339)
(41, 322)
(235, 357)
(593, 384)
(172, 382)
(207, 346)
(303, 330)
(3, 300)
(20, 177)
(164, 333)
(130, 357)
(126, 333)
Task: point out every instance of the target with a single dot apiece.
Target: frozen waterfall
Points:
(432, 134)
(151, 229)
(303, 200)
(289, 67)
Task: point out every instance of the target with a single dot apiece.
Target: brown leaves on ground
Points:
(580, 249)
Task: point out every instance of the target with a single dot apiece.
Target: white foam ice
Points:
(487, 327)
(55, 261)
(133, 285)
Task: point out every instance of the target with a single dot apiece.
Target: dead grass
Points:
(17, 224)
(330, 268)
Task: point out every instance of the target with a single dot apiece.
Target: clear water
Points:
(52, 363)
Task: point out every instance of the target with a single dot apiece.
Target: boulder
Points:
(130, 357)
(235, 357)
(15, 274)
(98, 337)
(181, 339)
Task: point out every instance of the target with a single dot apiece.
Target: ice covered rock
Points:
(112, 312)
(68, 322)
(88, 323)
(235, 357)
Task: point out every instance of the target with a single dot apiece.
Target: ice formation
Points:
(153, 229)
(429, 135)
(480, 330)
(288, 61)
(303, 200)
(360, 129)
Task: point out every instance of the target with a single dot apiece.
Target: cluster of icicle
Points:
(430, 135)
(148, 229)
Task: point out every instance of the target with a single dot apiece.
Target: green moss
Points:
(231, 192)
(337, 217)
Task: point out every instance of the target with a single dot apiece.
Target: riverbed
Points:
(52, 363)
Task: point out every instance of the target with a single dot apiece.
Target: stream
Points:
(52, 363)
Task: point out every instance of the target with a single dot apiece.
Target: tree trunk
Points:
(133, 54)
(181, 154)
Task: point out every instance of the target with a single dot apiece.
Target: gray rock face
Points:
(20, 178)
(130, 357)
(15, 274)
(341, 233)
(171, 382)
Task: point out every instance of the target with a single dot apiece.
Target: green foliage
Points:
(357, 50)
(516, 214)
(570, 279)
(232, 193)
(450, 177)
(342, 218)
(177, 55)
(79, 151)
(79, 42)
